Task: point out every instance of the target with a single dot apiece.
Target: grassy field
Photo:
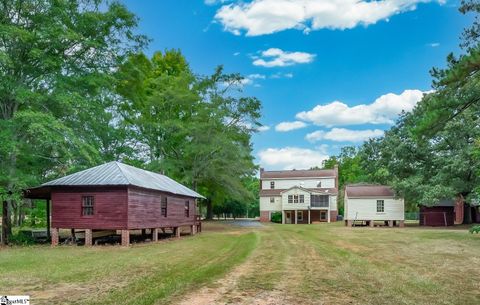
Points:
(303, 264)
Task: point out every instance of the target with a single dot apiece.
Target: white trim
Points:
(298, 178)
(374, 197)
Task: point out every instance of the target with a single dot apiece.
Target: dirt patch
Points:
(214, 292)
(274, 274)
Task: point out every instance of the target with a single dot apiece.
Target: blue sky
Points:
(337, 70)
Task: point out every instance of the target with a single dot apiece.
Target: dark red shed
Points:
(440, 214)
(119, 197)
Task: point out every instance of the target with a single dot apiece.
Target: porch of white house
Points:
(302, 216)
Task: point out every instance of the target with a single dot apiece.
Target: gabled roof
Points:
(298, 173)
(368, 190)
(295, 187)
(116, 173)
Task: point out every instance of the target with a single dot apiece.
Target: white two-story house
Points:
(303, 196)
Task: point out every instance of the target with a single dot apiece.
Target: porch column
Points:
(154, 234)
(54, 237)
(192, 230)
(309, 216)
(328, 210)
(125, 238)
(295, 216)
(48, 219)
(88, 237)
(177, 232)
(283, 217)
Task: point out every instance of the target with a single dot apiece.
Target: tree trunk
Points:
(209, 209)
(467, 214)
(5, 221)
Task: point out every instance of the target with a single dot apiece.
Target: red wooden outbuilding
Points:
(119, 198)
(440, 214)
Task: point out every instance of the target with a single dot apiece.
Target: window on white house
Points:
(300, 215)
(380, 206)
(290, 199)
(323, 215)
(272, 184)
(319, 201)
(272, 199)
(295, 198)
(302, 198)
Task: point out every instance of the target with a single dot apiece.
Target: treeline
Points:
(432, 152)
(76, 91)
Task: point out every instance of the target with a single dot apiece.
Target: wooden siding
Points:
(110, 208)
(367, 209)
(144, 209)
(436, 216)
(119, 208)
(298, 205)
(266, 205)
(304, 182)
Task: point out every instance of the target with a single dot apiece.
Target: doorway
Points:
(288, 217)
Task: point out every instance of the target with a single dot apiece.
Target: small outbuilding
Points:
(119, 198)
(441, 214)
(367, 204)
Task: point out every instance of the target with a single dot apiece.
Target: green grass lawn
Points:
(277, 264)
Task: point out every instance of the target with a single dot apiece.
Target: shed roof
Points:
(116, 173)
(303, 173)
(368, 190)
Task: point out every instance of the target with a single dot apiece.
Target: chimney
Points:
(262, 169)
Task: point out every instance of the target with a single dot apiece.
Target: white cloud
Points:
(291, 158)
(288, 126)
(433, 44)
(344, 135)
(275, 57)
(323, 148)
(236, 53)
(260, 17)
(384, 110)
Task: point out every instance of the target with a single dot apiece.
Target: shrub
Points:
(22, 238)
(276, 217)
(475, 229)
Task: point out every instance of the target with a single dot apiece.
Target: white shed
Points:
(369, 203)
